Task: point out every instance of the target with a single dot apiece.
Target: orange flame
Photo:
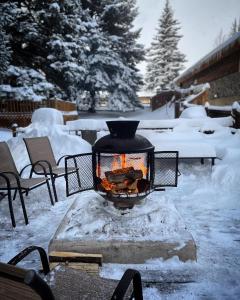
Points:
(115, 164)
(143, 168)
(121, 162)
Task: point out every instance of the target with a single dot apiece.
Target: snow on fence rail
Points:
(202, 99)
(98, 125)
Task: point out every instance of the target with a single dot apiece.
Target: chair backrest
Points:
(20, 284)
(39, 148)
(7, 163)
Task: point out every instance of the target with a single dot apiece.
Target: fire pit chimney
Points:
(122, 129)
(122, 139)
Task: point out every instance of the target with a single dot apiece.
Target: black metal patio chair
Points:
(20, 284)
(42, 158)
(11, 180)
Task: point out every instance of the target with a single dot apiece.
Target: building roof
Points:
(227, 48)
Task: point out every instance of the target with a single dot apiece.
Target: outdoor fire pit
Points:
(123, 167)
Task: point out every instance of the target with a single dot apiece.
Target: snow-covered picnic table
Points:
(186, 150)
(190, 144)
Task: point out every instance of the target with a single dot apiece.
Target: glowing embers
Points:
(123, 174)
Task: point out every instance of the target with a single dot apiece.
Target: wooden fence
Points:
(200, 98)
(163, 98)
(20, 112)
(213, 112)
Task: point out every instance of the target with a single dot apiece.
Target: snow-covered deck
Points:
(207, 200)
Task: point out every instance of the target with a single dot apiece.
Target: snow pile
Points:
(87, 124)
(212, 126)
(156, 219)
(236, 106)
(152, 123)
(47, 116)
(48, 122)
(194, 112)
(228, 173)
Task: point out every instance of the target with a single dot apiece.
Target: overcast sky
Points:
(200, 20)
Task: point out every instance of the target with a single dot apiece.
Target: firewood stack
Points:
(123, 180)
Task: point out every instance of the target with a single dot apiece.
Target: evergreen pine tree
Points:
(49, 36)
(23, 83)
(5, 49)
(75, 51)
(116, 20)
(235, 27)
(101, 64)
(118, 17)
(64, 23)
(164, 58)
(5, 53)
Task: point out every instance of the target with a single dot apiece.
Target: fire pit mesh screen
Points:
(123, 174)
(82, 179)
(144, 174)
(165, 168)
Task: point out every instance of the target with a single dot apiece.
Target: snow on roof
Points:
(215, 54)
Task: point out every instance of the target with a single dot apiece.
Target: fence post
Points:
(14, 129)
(177, 109)
(236, 116)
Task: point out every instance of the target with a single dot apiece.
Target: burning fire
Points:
(125, 173)
(121, 161)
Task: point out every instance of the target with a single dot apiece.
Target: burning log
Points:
(121, 175)
(122, 180)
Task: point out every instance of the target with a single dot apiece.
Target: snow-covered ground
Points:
(207, 199)
(165, 112)
(5, 134)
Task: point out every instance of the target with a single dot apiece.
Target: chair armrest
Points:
(35, 164)
(122, 287)
(39, 162)
(23, 169)
(14, 175)
(43, 256)
(59, 160)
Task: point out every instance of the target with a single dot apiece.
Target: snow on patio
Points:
(207, 200)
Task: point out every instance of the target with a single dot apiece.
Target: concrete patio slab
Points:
(153, 229)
